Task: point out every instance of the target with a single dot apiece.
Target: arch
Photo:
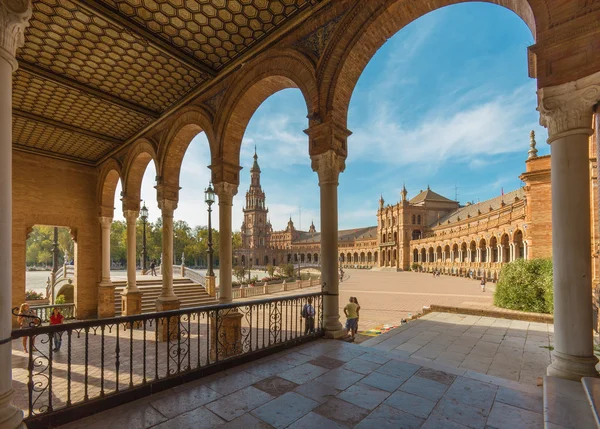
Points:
(446, 252)
(108, 178)
(505, 245)
(136, 163)
(369, 257)
(342, 259)
(473, 251)
(190, 122)
(519, 246)
(438, 253)
(370, 26)
(423, 255)
(419, 219)
(494, 248)
(415, 256)
(414, 219)
(463, 252)
(348, 257)
(265, 76)
(375, 256)
(416, 234)
(362, 257)
(482, 250)
(430, 252)
(315, 258)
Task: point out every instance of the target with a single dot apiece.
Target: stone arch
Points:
(483, 250)
(108, 178)
(136, 163)
(473, 250)
(415, 256)
(463, 249)
(370, 24)
(261, 79)
(190, 122)
(494, 248)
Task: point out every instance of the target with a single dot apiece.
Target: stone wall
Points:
(539, 206)
(54, 192)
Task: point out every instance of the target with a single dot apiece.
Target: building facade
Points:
(428, 232)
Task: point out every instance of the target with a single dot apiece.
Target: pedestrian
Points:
(308, 314)
(153, 267)
(27, 319)
(482, 283)
(355, 300)
(351, 317)
(57, 319)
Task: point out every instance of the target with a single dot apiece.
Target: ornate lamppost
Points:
(209, 198)
(144, 217)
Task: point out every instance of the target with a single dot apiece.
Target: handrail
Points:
(195, 276)
(45, 311)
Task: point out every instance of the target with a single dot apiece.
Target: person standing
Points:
(482, 283)
(57, 319)
(350, 310)
(153, 267)
(355, 300)
(308, 313)
(27, 319)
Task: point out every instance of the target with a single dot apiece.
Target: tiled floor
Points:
(333, 384)
(510, 349)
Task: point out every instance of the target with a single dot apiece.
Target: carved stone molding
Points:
(105, 221)
(226, 192)
(130, 215)
(568, 107)
(14, 19)
(167, 207)
(130, 203)
(317, 41)
(168, 197)
(327, 136)
(328, 166)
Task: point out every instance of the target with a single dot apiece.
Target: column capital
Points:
(105, 221)
(14, 19)
(328, 166)
(328, 136)
(224, 171)
(167, 207)
(567, 109)
(226, 191)
(130, 204)
(130, 215)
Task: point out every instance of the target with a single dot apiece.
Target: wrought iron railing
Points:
(103, 363)
(45, 311)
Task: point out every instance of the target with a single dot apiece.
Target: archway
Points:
(494, 248)
(473, 251)
(505, 246)
(482, 250)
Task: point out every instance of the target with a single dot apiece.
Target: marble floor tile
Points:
(342, 412)
(234, 405)
(267, 369)
(199, 418)
(372, 357)
(383, 381)
(364, 396)
(285, 409)
(246, 421)
(398, 369)
(326, 362)
(461, 413)
(439, 376)
(438, 422)
(505, 416)
(472, 392)
(424, 388)
(412, 404)
(317, 391)
(386, 417)
(315, 421)
(233, 382)
(134, 415)
(303, 373)
(361, 366)
(275, 386)
(186, 400)
(339, 378)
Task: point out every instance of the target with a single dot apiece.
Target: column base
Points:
(106, 300)
(228, 343)
(167, 330)
(572, 367)
(334, 334)
(210, 285)
(10, 416)
(131, 303)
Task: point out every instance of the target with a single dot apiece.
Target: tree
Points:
(236, 240)
(270, 270)
(287, 270)
(239, 271)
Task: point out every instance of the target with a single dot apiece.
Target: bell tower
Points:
(255, 231)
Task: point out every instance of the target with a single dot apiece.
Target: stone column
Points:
(106, 290)
(14, 18)
(500, 254)
(225, 191)
(167, 299)
(566, 110)
(131, 298)
(328, 166)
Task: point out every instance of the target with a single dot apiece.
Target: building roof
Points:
(343, 235)
(429, 195)
(486, 206)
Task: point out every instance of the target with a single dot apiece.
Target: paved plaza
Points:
(332, 384)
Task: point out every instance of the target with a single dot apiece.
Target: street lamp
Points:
(144, 217)
(209, 198)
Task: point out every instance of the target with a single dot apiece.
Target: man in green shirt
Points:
(351, 312)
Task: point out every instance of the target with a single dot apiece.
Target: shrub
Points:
(60, 299)
(415, 267)
(287, 270)
(526, 286)
(270, 270)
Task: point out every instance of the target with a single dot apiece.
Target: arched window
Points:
(419, 219)
(414, 219)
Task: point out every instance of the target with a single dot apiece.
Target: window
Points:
(414, 219)
(419, 220)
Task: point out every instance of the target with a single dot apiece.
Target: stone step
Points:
(591, 386)
(566, 405)
(151, 306)
(147, 282)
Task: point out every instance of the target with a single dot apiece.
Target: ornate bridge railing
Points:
(45, 311)
(103, 363)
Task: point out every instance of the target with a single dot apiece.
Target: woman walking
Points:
(27, 319)
(57, 319)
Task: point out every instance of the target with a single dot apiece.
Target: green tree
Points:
(270, 270)
(526, 286)
(239, 271)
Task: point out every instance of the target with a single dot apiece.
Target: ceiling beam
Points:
(109, 14)
(63, 126)
(54, 155)
(43, 73)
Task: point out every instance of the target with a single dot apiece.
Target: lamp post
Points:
(144, 217)
(209, 198)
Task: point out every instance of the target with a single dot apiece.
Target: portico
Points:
(139, 87)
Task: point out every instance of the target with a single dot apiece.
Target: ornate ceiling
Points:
(93, 73)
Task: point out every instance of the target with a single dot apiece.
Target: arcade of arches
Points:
(91, 92)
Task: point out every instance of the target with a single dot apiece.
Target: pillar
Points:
(566, 110)
(167, 299)
(106, 290)
(328, 166)
(500, 253)
(14, 18)
(131, 298)
(225, 191)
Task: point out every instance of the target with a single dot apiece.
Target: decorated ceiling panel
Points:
(69, 41)
(51, 100)
(213, 31)
(48, 139)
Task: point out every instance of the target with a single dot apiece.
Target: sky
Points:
(445, 103)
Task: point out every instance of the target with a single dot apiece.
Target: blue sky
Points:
(446, 102)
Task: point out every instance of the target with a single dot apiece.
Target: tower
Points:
(255, 231)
